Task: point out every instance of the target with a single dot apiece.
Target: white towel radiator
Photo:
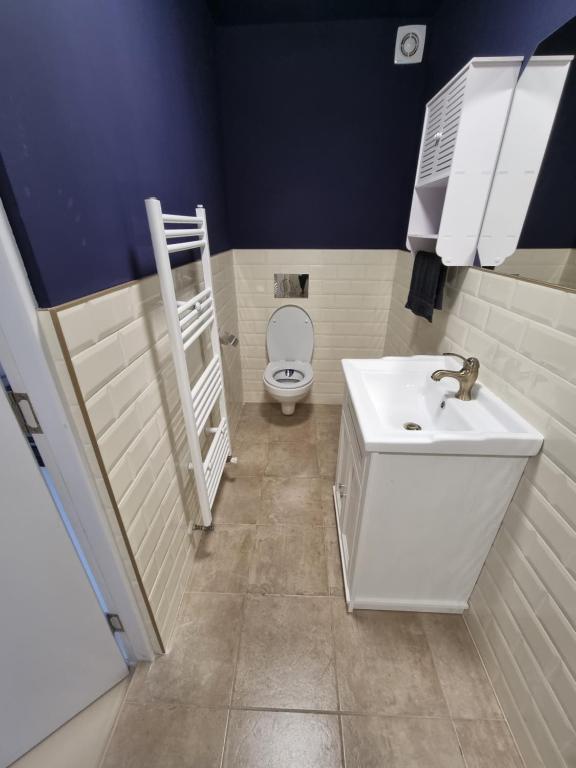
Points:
(187, 321)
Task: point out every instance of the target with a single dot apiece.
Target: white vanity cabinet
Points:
(415, 528)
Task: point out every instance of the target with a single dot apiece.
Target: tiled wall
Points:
(118, 348)
(348, 301)
(523, 610)
(55, 354)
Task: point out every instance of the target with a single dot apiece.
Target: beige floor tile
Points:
(252, 458)
(286, 655)
(384, 663)
(153, 735)
(298, 428)
(292, 460)
(221, 562)
(306, 568)
(333, 563)
(328, 430)
(254, 423)
(268, 566)
(289, 501)
(328, 501)
(282, 740)
(249, 431)
(239, 500)
(327, 412)
(487, 744)
(289, 560)
(327, 456)
(261, 411)
(398, 742)
(464, 681)
(199, 668)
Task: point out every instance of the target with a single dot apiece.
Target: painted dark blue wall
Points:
(103, 103)
(461, 30)
(321, 134)
(235, 12)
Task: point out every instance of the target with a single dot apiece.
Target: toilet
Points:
(288, 376)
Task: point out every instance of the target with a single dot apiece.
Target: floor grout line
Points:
(441, 686)
(336, 676)
(238, 650)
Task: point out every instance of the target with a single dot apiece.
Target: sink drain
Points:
(412, 426)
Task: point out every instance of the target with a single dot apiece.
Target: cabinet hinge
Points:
(24, 413)
(114, 622)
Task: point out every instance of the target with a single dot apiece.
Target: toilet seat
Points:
(290, 334)
(288, 374)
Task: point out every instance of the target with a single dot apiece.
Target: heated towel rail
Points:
(187, 321)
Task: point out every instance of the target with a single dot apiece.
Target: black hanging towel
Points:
(427, 285)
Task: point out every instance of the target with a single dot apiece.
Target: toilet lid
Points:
(290, 335)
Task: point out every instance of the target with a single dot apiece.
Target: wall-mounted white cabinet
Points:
(532, 113)
(463, 129)
(484, 138)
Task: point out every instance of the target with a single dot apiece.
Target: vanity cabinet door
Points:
(343, 468)
(351, 513)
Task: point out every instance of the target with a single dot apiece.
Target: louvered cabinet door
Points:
(440, 133)
(431, 140)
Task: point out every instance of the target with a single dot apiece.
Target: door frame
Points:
(26, 365)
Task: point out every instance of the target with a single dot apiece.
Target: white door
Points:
(57, 653)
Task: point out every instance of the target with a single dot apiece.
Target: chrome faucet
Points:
(466, 376)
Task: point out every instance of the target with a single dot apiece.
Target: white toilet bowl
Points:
(288, 377)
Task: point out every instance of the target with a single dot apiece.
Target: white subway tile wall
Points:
(56, 357)
(523, 609)
(120, 354)
(348, 301)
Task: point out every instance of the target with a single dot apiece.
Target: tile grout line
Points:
(238, 649)
(503, 719)
(236, 660)
(225, 737)
(295, 710)
(336, 678)
(448, 709)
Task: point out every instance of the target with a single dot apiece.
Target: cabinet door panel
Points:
(351, 513)
(342, 468)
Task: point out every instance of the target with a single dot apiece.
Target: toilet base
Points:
(288, 408)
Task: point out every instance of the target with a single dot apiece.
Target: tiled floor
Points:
(267, 668)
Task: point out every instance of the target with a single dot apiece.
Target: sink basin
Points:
(391, 392)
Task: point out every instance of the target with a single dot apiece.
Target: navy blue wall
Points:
(321, 134)
(462, 30)
(103, 103)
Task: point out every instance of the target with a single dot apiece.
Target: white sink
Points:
(389, 392)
